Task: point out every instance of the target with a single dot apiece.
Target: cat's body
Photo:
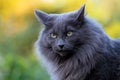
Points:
(74, 47)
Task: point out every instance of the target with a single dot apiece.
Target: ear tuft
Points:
(80, 13)
(41, 16)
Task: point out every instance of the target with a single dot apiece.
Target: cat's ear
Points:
(80, 13)
(42, 16)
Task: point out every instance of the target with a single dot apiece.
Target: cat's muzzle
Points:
(64, 52)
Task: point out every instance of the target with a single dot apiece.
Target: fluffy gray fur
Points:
(89, 54)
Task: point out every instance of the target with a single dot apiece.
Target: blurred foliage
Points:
(19, 30)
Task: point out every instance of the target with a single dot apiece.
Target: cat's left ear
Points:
(80, 13)
(42, 17)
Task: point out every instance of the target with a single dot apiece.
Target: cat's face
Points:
(62, 37)
(62, 32)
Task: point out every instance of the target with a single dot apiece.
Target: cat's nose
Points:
(61, 46)
(61, 43)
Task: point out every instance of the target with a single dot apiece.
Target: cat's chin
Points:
(64, 53)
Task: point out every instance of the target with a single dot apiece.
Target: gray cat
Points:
(72, 46)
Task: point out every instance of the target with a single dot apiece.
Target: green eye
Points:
(53, 35)
(70, 33)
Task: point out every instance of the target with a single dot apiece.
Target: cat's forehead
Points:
(63, 20)
(62, 27)
(61, 24)
(64, 17)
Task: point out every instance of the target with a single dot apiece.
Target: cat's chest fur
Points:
(72, 70)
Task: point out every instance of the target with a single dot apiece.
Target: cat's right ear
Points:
(41, 16)
(80, 13)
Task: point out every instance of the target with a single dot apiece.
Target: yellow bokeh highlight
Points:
(13, 12)
(113, 29)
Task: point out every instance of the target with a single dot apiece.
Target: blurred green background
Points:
(19, 30)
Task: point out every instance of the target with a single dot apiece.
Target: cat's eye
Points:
(70, 33)
(53, 35)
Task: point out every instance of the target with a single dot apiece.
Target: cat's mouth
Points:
(63, 52)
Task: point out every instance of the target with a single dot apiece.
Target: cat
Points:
(72, 46)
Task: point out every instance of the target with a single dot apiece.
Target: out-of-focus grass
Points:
(17, 59)
(19, 68)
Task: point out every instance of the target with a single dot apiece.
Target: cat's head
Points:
(64, 33)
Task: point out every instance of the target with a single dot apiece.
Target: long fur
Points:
(97, 59)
